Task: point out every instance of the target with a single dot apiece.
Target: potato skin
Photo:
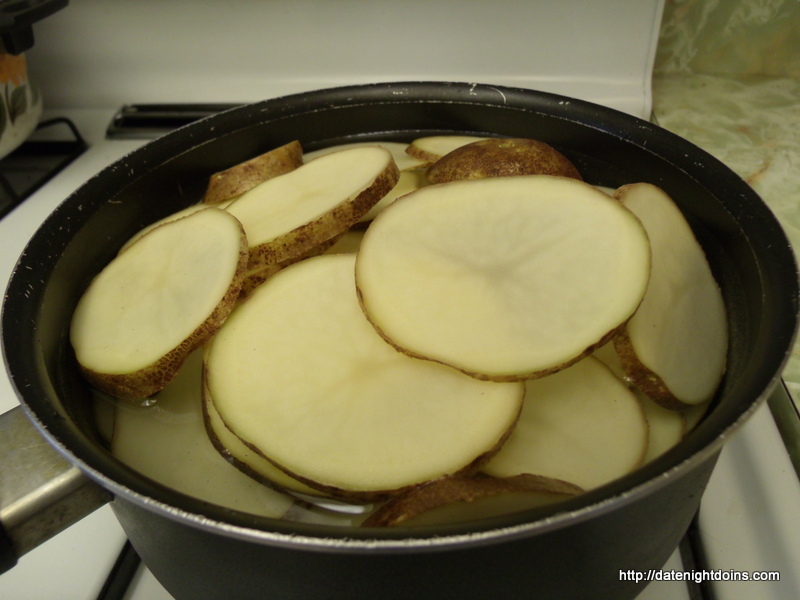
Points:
(370, 496)
(429, 149)
(501, 157)
(447, 490)
(254, 278)
(305, 238)
(155, 377)
(646, 381)
(237, 180)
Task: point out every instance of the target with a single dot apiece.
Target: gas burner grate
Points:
(37, 160)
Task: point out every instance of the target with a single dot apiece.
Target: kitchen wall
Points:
(96, 53)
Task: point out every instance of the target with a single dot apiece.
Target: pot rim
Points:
(704, 442)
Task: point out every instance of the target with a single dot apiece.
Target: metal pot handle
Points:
(41, 493)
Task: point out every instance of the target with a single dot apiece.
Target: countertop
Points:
(752, 124)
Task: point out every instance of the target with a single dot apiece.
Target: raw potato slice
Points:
(232, 183)
(408, 182)
(411, 175)
(504, 278)
(667, 426)
(404, 161)
(432, 148)
(166, 441)
(607, 354)
(459, 499)
(143, 314)
(581, 425)
(694, 414)
(243, 458)
(289, 215)
(501, 157)
(255, 277)
(299, 374)
(675, 347)
(189, 210)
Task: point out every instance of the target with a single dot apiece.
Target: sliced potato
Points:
(236, 452)
(504, 278)
(189, 210)
(255, 277)
(457, 499)
(408, 182)
(324, 398)
(581, 425)
(226, 186)
(667, 427)
(694, 414)
(166, 441)
(501, 157)
(675, 347)
(404, 161)
(431, 148)
(607, 354)
(286, 216)
(411, 175)
(238, 179)
(156, 302)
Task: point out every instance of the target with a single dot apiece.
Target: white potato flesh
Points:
(289, 214)
(694, 414)
(680, 331)
(407, 183)
(667, 427)
(257, 276)
(607, 354)
(185, 212)
(227, 185)
(398, 149)
(298, 373)
(432, 148)
(503, 278)
(236, 448)
(581, 425)
(154, 297)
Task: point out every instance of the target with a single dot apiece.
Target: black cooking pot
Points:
(572, 550)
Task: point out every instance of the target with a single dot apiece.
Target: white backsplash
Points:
(96, 54)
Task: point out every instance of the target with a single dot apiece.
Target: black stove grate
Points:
(53, 146)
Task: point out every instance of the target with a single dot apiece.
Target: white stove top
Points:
(748, 520)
